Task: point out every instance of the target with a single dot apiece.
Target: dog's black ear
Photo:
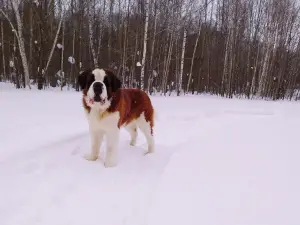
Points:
(116, 83)
(81, 79)
(112, 81)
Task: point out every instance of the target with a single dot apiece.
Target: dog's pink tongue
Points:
(92, 101)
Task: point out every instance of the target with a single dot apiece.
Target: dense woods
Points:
(248, 48)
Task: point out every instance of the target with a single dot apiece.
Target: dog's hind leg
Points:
(132, 129)
(147, 129)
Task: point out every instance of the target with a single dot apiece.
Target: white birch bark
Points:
(249, 50)
(152, 49)
(91, 35)
(165, 60)
(125, 43)
(182, 61)
(62, 56)
(54, 43)
(21, 44)
(20, 39)
(101, 30)
(168, 61)
(256, 68)
(110, 27)
(145, 44)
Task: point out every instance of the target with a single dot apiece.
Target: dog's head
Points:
(98, 87)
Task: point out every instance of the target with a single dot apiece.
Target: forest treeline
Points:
(248, 48)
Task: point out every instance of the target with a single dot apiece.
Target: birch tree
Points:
(19, 35)
(182, 62)
(3, 51)
(145, 44)
(223, 47)
(91, 10)
(156, 14)
(54, 42)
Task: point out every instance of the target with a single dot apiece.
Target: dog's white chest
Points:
(103, 122)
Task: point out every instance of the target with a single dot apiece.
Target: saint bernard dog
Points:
(109, 107)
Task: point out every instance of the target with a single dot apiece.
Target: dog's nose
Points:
(98, 88)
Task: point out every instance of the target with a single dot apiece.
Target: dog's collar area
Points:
(91, 101)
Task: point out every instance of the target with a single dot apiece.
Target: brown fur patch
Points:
(131, 103)
(109, 70)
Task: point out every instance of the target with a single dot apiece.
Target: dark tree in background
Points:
(247, 48)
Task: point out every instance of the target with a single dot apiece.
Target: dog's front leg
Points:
(112, 147)
(96, 140)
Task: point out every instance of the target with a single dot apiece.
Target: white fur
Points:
(146, 130)
(96, 140)
(132, 129)
(91, 93)
(99, 74)
(108, 126)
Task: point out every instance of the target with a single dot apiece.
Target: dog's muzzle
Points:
(98, 88)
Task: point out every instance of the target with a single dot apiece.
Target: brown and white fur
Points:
(109, 107)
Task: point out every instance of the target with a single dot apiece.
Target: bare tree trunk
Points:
(111, 8)
(193, 57)
(62, 56)
(145, 44)
(20, 39)
(21, 44)
(263, 78)
(31, 38)
(3, 51)
(132, 77)
(253, 82)
(152, 51)
(54, 44)
(91, 35)
(123, 75)
(15, 73)
(101, 30)
(167, 64)
(125, 42)
(72, 80)
(226, 59)
(182, 62)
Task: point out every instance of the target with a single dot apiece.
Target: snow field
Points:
(217, 162)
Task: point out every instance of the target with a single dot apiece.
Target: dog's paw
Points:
(109, 163)
(133, 142)
(148, 152)
(91, 157)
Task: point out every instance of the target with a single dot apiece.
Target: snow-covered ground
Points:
(217, 162)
